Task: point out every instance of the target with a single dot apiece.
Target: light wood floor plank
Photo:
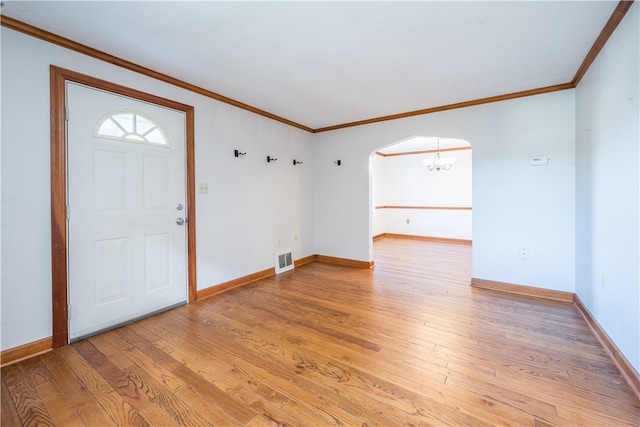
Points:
(8, 410)
(112, 403)
(60, 409)
(195, 381)
(75, 391)
(30, 408)
(408, 342)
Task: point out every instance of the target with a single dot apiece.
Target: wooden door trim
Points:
(59, 255)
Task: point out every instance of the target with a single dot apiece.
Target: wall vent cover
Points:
(284, 261)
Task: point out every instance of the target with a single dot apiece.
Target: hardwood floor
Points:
(406, 343)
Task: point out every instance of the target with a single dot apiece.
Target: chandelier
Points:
(439, 163)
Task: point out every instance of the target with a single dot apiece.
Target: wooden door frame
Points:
(59, 244)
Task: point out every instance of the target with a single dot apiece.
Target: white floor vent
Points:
(284, 261)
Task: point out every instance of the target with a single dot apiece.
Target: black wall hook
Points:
(237, 153)
(295, 162)
(337, 162)
(271, 159)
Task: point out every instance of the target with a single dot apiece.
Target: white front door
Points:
(126, 195)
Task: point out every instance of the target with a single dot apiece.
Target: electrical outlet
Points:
(408, 220)
(203, 188)
(523, 253)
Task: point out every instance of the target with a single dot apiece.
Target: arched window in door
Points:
(131, 126)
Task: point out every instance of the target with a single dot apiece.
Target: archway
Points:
(411, 198)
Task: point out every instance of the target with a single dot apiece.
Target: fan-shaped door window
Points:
(131, 126)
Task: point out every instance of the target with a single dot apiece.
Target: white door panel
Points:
(127, 254)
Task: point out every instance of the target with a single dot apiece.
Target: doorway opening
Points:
(412, 199)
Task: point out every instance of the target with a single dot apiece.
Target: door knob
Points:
(180, 221)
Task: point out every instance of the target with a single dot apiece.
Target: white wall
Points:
(608, 188)
(250, 206)
(405, 181)
(514, 205)
(378, 195)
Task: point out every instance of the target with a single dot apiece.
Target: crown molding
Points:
(412, 153)
(613, 22)
(97, 54)
(472, 103)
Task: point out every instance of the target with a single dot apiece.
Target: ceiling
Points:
(418, 143)
(321, 64)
